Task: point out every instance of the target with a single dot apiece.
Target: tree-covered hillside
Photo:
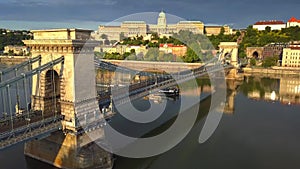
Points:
(255, 38)
(13, 37)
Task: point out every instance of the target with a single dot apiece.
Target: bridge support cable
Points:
(37, 88)
(26, 100)
(54, 93)
(10, 108)
(32, 72)
(16, 118)
(3, 101)
(16, 127)
(19, 66)
(115, 68)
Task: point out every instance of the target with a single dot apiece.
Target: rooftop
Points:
(293, 19)
(143, 22)
(66, 33)
(271, 22)
(170, 45)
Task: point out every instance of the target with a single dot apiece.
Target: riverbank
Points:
(13, 59)
(274, 71)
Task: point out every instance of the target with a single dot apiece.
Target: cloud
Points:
(58, 2)
(241, 13)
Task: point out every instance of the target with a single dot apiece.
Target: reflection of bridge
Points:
(63, 97)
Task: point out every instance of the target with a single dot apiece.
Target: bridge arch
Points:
(52, 92)
(52, 83)
(254, 52)
(255, 55)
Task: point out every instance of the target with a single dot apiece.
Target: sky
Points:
(43, 14)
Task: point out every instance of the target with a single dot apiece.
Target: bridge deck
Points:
(34, 125)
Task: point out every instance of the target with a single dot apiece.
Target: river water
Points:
(259, 129)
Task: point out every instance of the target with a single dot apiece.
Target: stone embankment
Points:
(274, 71)
(13, 59)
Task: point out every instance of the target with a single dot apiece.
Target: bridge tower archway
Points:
(51, 93)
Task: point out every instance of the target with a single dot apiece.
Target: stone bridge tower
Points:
(230, 50)
(230, 55)
(68, 90)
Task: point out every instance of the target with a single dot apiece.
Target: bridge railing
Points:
(15, 68)
(19, 125)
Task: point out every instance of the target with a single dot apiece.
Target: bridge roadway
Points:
(124, 94)
(35, 125)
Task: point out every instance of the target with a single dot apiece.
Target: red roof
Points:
(273, 22)
(293, 19)
(295, 48)
(170, 45)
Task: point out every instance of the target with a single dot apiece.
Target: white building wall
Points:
(291, 24)
(273, 27)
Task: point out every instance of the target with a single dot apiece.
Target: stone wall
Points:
(13, 59)
(275, 72)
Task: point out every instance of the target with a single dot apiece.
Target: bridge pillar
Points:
(230, 54)
(230, 49)
(68, 90)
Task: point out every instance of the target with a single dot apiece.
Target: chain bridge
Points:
(50, 100)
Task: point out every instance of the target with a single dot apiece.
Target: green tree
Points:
(154, 36)
(191, 56)
(152, 54)
(106, 42)
(132, 51)
(132, 56)
(122, 36)
(252, 61)
(268, 29)
(99, 54)
(270, 61)
(104, 36)
(113, 41)
(13, 37)
(11, 53)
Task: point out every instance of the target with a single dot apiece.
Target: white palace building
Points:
(138, 28)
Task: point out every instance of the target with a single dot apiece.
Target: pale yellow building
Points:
(121, 49)
(17, 50)
(177, 50)
(291, 56)
(216, 30)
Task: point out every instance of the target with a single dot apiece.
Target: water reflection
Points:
(254, 132)
(285, 90)
(289, 90)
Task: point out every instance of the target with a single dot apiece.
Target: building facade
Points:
(177, 50)
(273, 24)
(274, 49)
(141, 28)
(291, 56)
(216, 30)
